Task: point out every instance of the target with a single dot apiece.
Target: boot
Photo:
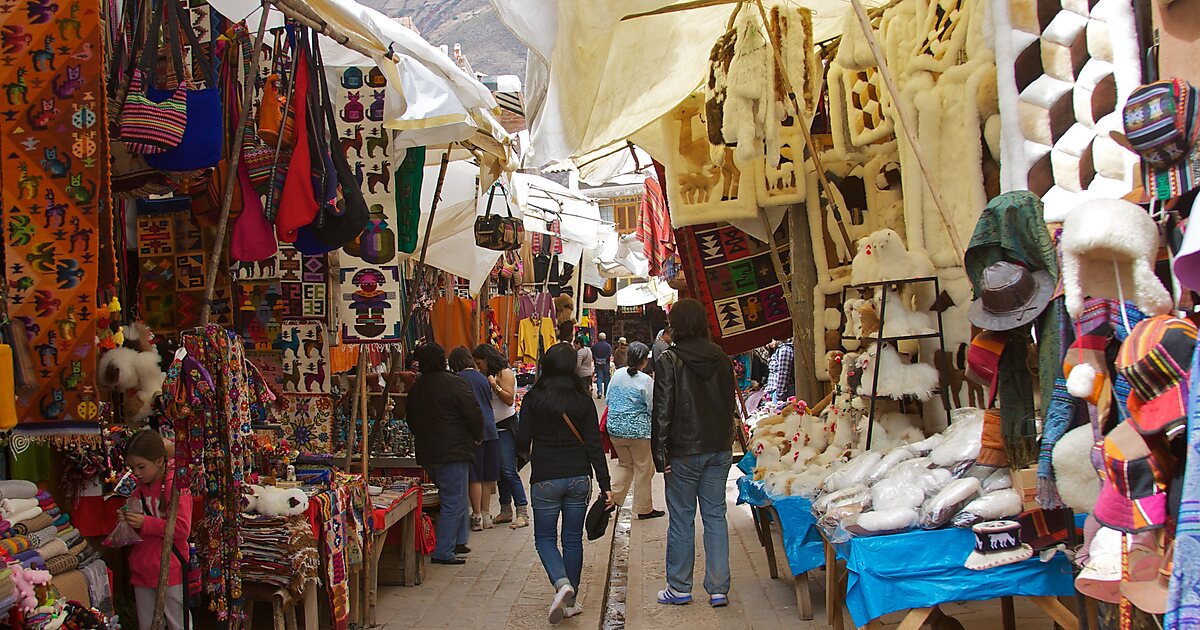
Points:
(505, 515)
(521, 519)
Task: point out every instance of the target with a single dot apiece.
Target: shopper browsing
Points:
(602, 352)
(619, 352)
(630, 402)
(585, 367)
(558, 418)
(503, 382)
(146, 511)
(485, 467)
(691, 441)
(446, 424)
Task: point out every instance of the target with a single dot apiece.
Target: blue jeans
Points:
(453, 524)
(512, 489)
(698, 479)
(568, 496)
(601, 378)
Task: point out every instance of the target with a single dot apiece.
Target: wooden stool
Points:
(283, 604)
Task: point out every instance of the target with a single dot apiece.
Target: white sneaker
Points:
(487, 521)
(572, 611)
(558, 608)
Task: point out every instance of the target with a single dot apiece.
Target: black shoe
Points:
(651, 514)
(449, 561)
(462, 549)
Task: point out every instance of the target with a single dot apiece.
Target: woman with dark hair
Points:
(503, 382)
(485, 467)
(630, 400)
(446, 423)
(559, 419)
(692, 439)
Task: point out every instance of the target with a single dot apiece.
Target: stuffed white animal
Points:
(273, 501)
(896, 378)
(899, 321)
(883, 256)
(131, 372)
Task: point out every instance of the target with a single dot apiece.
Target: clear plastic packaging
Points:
(998, 480)
(122, 535)
(962, 439)
(989, 507)
(938, 510)
(890, 460)
(855, 472)
(842, 497)
(924, 447)
(880, 522)
(897, 492)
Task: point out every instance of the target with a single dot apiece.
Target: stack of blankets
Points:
(280, 551)
(37, 534)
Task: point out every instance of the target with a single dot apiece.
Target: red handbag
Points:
(253, 236)
(298, 205)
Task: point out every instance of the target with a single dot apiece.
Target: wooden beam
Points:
(804, 325)
(674, 8)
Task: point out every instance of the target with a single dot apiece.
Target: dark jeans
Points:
(512, 490)
(453, 524)
(569, 497)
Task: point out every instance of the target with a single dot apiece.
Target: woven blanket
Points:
(15, 545)
(173, 251)
(43, 536)
(733, 275)
(31, 521)
(53, 549)
(18, 489)
(53, 182)
(8, 507)
(96, 575)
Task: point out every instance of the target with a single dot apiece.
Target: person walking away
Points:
(504, 389)
(485, 467)
(602, 352)
(585, 367)
(558, 418)
(446, 424)
(630, 402)
(691, 441)
(661, 343)
(619, 352)
(781, 372)
(145, 511)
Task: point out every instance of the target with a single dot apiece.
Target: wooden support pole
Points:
(360, 375)
(804, 325)
(210, 286)
(909, 124)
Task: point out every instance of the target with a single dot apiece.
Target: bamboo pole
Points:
(360, 374)
(909, 125)
(210, 286)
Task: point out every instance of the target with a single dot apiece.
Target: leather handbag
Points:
(495, 232)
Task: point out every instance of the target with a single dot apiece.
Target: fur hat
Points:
(1111, 244)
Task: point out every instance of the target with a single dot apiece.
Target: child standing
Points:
(146, 456)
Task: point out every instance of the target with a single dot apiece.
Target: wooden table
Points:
(404, 565)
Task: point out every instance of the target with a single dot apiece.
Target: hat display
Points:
(1100, 578)
(1134, 495)
(1187, 262)
(997, 543)
(1149, 594)
(1161, 127)
(1010, 296)
(983, 359)
(1156, 359)
(1108, 250)
(991, 448)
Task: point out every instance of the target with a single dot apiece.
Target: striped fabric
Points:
(1156, 122)
(1134, 496)
(150, 127)
(1156, 359)
(654, 227)
(15, 545)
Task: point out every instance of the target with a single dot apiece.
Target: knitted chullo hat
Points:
(1108, 248)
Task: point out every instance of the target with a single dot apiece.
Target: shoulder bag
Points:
(496, 232)
(153, 121)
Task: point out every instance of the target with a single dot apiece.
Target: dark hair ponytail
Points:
(637, 353)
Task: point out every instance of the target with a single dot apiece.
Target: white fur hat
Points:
(1110, 244)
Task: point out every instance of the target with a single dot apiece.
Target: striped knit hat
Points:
(1161, 127)
(1157, 359)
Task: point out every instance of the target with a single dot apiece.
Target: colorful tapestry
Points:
(53, 193)
(368, 307)
(173, 258)
(301, 282)
(308, 422)
(305, 357)
(732, 274)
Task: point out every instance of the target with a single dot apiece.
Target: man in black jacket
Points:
(446, 423)
(691, 439)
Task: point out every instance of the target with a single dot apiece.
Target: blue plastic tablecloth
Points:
(801, 539)
(747, 463)
(921, 568)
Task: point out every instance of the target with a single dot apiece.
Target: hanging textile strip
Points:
(368, 300)
(51, 181)
(173, 254)
(731, 273)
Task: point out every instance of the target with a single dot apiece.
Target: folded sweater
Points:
(39, 522)
(53, 549)
(21, 517)
(43, 536)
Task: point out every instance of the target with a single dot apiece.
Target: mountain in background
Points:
(488, 44)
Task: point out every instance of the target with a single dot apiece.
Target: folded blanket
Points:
(15, 545)
(70, 536)
(18, 489)
(80, 548)
(38, 522)
(74, 587)
(87, 556)
(21, 517)
(14, 506)
(96, 573)
(43, 536)
(53, 549)
(44, 499)
(62, 522)
(62, 564)
(54, 512)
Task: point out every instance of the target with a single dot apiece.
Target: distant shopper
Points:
(630, 402)
(585, 367)
(781, 372)
(485, 468)
(602, 352)
(559, 419)
(619, 352)
(691, 440)
(661, 343)
(446, 424)
(504, 397)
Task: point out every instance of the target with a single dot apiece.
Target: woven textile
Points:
(173, 254)
(279, 551)
(1183, 596)
(308, 422)
(53, 185)
(732, 274)
(37, 523)
(654, 227)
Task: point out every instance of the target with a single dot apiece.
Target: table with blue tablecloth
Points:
(918, 570)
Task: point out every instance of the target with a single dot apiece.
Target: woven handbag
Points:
(495, 232)
(148, 125)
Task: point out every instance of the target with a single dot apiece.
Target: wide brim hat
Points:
(1100, 577)
(1010, 296)
(1150, 581)
(997, 543)
(1160, 122)
(1134, 496)
(1156, 359)
(596, 521)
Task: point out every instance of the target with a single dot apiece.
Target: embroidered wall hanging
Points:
(305, 357)
(737, 283)
(53, 193)
(173, 255)
(369, 303)
(308, 422)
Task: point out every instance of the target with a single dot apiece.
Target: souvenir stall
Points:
(173, 265)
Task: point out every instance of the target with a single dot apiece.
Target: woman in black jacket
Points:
(559, 418)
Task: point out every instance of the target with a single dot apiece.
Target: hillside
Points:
(474, 24)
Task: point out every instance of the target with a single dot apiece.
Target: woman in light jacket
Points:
(630, 401)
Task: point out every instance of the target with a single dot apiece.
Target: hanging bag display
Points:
(297, 205)
(276, 121)
(496, 232)
(153, 121)
(201, 145)
(259, 157)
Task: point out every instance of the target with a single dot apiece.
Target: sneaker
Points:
(448, 560)
(487, 521)
(476, 523)
(718, 600)
(572, 611)
(673, 597)
(558, 608)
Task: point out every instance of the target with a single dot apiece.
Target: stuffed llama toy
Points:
(896, 378)
(274, 501)
(1108, 251)
(135, 373)
(900, 320)
(883, 256)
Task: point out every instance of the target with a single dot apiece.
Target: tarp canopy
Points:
(594, 80)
